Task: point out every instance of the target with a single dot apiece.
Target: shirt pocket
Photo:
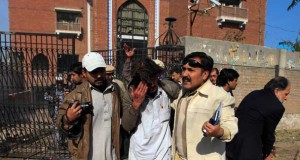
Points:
(203, 107)
(164, 115)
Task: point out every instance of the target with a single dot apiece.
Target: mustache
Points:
(186, 79)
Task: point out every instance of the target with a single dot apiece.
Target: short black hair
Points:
(226, 74)
(206, 61)
(145, 70)
(278, 82)
(76, 67)
(216, 69)
(176, 69)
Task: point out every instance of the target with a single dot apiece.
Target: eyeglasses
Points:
(192, 63)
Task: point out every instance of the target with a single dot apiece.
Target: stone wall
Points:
(256, 66)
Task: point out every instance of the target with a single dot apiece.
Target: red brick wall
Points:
(99, 25)
(40, 17)
(205, 25)
(178, 9)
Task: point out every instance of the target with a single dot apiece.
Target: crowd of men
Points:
(190, 115)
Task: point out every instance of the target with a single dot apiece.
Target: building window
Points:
(235, 3)
(232, 11)
(68, 21)
(132, 25)
(65, 17)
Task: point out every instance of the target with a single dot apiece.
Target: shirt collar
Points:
(204, 89)
(158, 93)
(109, 88)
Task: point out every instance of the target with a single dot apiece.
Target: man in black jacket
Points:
(258, 115)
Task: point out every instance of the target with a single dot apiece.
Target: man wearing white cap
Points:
(90, 114)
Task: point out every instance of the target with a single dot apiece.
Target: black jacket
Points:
(258, 115)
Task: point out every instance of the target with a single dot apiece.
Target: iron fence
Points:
(29, 67)
(169, 55)
(33, 70)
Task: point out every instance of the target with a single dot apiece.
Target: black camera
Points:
(86, 106)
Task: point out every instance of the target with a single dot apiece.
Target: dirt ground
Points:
(287, 145)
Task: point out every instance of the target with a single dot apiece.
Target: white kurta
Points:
(101, 147)
(152, 139)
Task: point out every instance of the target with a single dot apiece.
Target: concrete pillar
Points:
(282, 62)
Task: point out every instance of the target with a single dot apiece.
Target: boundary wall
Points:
(256, 66)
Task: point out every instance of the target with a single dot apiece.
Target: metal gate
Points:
(170, 55)
(31, 65)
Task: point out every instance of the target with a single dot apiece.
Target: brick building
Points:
(101, 25)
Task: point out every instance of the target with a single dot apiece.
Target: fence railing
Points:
(29, 65)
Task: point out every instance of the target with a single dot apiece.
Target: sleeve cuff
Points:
(226, 135)
(67, 124)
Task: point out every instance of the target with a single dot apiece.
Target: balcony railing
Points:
(65, 27)
(232, 14)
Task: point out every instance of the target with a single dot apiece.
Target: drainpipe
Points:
(109, 24)
(156, 23)
(109, 36)
(88, 26)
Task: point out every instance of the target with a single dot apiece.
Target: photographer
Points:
(90, 114)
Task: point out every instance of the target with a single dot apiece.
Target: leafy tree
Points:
(294, 45)
(293, 4)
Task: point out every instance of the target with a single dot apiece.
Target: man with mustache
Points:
(90, 115)
(195, 137)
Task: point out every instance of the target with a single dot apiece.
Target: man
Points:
(110, 71)
(76, 73)
(228, 79)
(194, 137)
(214, 75)
(90, 114)
(259, 113)
(76, 77)
(151, 99)
(176, 74)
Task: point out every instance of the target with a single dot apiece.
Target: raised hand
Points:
(138, 94)
(128, 51)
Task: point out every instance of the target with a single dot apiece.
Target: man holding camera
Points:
(90, 115)
(195, 137)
